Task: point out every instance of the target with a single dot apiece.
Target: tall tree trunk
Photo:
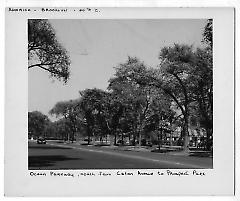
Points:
(209, 139)
(140, 139)
(171, 138)
(141, 133)
(89, 139)
(89, 134)
(111, 137)
(159, 141)
(186, 133)
(161, 132)
(94, 138)
(73, 136)
(115, 139)
(135, 133)
(134, 139)
(68, 137)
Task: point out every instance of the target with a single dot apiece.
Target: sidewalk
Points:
(166, 150)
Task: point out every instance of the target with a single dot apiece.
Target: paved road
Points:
(55, 156)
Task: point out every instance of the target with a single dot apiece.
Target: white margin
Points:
(133, 3)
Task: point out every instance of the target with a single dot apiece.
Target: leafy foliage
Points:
(69, 111)
(142, 102)
(44, 50)
(208, 33)
(37, 123)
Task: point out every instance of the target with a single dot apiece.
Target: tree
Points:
(202, 77)
(63, 129)
(135, 98)
(101, 112)
(44, 50)
(208, 33)
(186, 76)
(162, 115)
(176, 67)
(114, 112)
(70, 111)
(140, 101)
(50, 130)
(90, 105)
(37, 123)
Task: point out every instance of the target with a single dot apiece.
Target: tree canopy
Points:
(69, 111)
(45, 51)
(208, 33)
(37, 123)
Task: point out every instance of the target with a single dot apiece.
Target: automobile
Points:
(120, 142)
(41, 140)
(86, 140)
(148, 143)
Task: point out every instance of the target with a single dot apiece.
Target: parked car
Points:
(41, 140)
(120, 142)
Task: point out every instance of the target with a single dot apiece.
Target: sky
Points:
(96, 46)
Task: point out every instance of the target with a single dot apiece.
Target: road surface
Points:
(56, 156)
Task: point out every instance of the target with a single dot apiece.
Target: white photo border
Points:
(16, 117)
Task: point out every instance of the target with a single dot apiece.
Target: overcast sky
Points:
(96, 46)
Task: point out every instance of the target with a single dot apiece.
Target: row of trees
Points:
(39, 125)
(141, 100)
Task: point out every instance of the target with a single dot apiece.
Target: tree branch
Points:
(183, 87)
(31, 48)
(42, 64)
(156, 84)
(47, 69)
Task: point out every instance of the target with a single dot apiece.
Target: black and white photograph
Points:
(119, 101)
(120, 94)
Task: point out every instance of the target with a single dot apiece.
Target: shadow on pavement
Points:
(200, 154)
(47, 147)
(36, 162)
